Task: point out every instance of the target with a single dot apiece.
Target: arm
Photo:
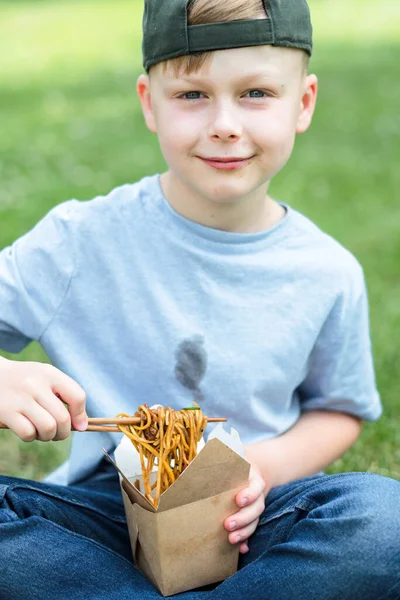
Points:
(340, 380)
(35, 276)
(316, 440)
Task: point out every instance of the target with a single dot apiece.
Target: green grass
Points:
(72, 127)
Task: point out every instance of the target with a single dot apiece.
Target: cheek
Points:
(275, 126)
(177, 130)
(275, 132)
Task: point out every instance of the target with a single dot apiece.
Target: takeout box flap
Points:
(214, 470)
(133, 493)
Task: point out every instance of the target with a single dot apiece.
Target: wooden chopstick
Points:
(134, 420)
(99, 428)
(106, 424)
(100, 423)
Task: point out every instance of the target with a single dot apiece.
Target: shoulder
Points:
(63, 232)
(103, 210)
(329, 263)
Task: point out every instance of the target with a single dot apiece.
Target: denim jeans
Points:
(328, 537)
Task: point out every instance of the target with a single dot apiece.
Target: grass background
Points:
(72, 128)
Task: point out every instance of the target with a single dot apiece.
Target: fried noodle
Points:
(166, 439)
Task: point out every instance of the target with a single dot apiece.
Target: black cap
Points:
(166, 33)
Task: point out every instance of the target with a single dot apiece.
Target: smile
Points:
(227, 163)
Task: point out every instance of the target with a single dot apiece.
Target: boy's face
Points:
(226, 130)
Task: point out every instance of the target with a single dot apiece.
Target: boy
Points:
(197, 285)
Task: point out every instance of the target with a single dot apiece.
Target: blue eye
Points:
(257, 94)
(191, 96)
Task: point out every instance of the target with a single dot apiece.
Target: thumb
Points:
(255, 488)
(71, 393)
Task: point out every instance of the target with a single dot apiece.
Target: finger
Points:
(44, 423)
(22, 427)
(73, 395)
(245, 515)
(60, 437)
(243, 534)
(244, 548)
(58, 411)
(250, 494)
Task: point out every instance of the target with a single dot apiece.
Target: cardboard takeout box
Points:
(183, 544)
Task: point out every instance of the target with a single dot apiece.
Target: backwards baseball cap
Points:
(166, 33)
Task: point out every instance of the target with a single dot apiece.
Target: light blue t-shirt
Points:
(139, 304)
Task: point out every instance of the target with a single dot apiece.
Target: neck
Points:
(254, 213)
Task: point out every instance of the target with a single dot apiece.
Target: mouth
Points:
(229, 163)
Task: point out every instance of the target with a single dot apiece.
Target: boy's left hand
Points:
(251, 501)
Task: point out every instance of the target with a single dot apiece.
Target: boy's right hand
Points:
(31, 401)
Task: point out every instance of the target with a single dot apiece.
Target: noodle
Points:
(167, 439)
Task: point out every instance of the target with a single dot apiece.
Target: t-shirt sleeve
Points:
(341, 374)
(35, 273)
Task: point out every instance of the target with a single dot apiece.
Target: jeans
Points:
(320, 538)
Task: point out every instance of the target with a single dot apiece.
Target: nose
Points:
(225, 123)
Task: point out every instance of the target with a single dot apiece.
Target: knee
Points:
(374, 501)
(380, 506)
(366, 508)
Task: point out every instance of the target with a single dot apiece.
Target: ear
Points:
(308, 101)
(144, 93)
